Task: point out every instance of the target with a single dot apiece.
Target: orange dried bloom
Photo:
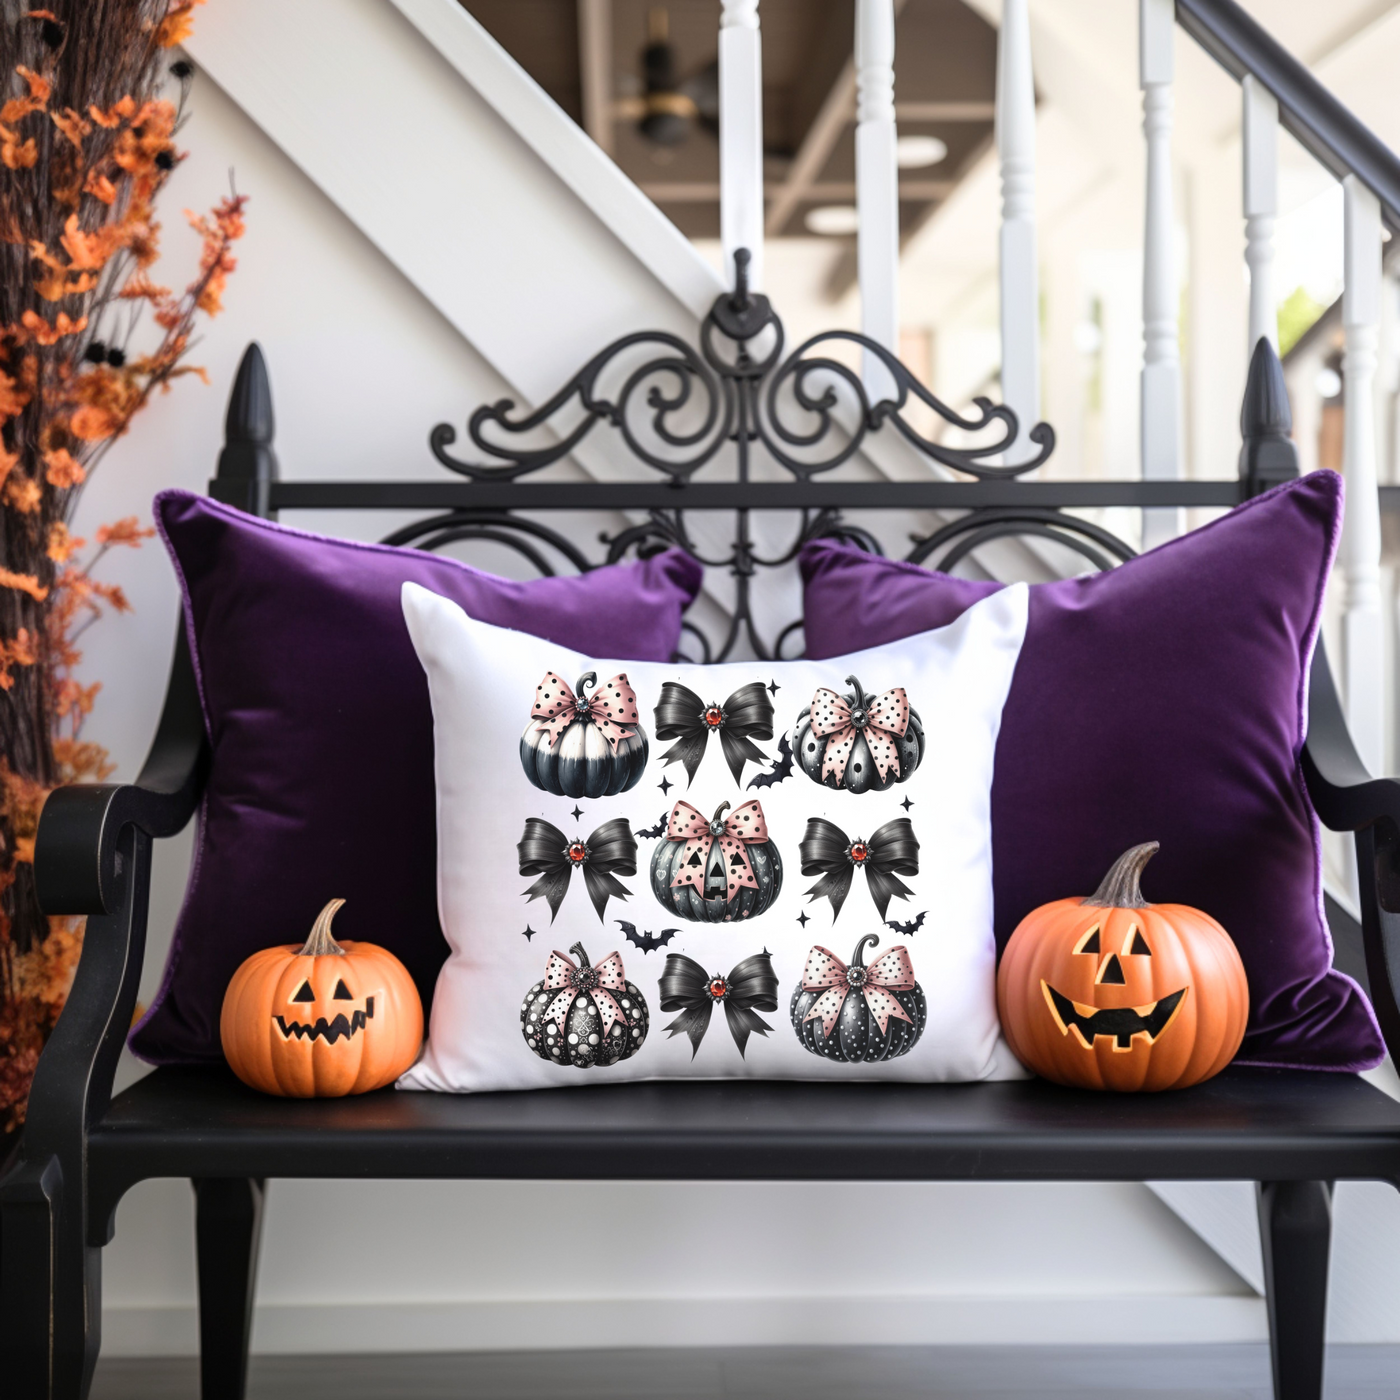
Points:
(63, 544)
(46, 334)
(90, 251)
(72, 125)
(23, 583)
(63, 469)
(100, 187)
(178, 24)
(57, 285)
(19, 107)
(92, 424)
(18, 156)
(126, 531)
(24, 494)
(114, 115)
(12, 399)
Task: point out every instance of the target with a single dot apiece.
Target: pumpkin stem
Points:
(858, 957)
(583, 959)
(719, 811)
(860, 694)
(1119, 889)
(588, 679)
(321, 944)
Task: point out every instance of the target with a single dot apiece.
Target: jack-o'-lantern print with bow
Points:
(583, 1014)
(859, 743)
(579, 744)
(717, 871)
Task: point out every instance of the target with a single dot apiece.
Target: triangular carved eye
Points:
(304, 993)
(341, 993)
(1140, 944)
(1111, 974)
(1090, 944)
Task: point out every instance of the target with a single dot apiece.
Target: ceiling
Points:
(588, 56)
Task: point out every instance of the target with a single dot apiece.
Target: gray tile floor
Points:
(774, 1373)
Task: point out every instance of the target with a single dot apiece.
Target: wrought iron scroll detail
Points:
(737, 387)
(676, 406)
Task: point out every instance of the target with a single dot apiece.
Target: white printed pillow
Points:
(798, 850)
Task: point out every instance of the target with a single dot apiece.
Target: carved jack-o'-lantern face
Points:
(321, 1019)
(1111, 992)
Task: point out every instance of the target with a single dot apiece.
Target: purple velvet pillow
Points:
(1164, 701)
(318, 713)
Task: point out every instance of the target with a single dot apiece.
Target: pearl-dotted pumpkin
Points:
(1112, 992)
(321, 1019)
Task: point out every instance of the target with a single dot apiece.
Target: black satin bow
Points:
(827, 851)
(545, 851)
(686, 987)
(684, 716)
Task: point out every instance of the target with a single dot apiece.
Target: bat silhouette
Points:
(782, 767)
(647, 940)
(654, 831)
(911, 927)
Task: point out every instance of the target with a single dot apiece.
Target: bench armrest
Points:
(76, 864)
(92, 856)
(1347, 798)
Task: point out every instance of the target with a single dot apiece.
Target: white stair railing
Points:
(1020, 294)
(1360, 551)
(1259, 127)
(1160, 414)
(877, 188)
(741, 137)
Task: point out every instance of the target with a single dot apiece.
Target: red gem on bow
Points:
(883, 720)
(612, 707)
(825, 972)
(743, 827)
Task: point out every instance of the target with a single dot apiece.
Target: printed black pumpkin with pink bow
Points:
(856, 1014)
(584, 742)
(714, 870)
(584, 1015)
(857, 742)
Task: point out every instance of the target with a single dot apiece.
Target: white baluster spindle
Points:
(1020, 295)
(1161, 367)
(1260, 208)
(1361, 534)
(741, 136)
(877, 189)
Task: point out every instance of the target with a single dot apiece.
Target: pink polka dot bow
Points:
(569, 980)
(891, 973)
(883, 722)
(612, 707)
(744, 826)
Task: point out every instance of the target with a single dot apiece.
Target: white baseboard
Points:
(528, 1324)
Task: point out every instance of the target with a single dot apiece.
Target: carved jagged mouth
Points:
(1120, 1022)
(342, 1027)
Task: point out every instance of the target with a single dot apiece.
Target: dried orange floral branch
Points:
(87, 142)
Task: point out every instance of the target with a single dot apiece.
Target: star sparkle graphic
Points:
(906, 804)
(773, 687)
(528, 933)
(803, 919)
(665, 786)
(577, 812)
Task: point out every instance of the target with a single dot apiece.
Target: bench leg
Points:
(50, 1289)
(228, 1225)
(1295, 1229)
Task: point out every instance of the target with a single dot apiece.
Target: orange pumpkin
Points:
(322, 1019)
(1112, 992)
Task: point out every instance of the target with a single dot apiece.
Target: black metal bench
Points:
(1294, 1133)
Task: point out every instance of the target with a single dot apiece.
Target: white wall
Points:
(362, 364)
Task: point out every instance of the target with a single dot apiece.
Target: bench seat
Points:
(1250, 1124)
